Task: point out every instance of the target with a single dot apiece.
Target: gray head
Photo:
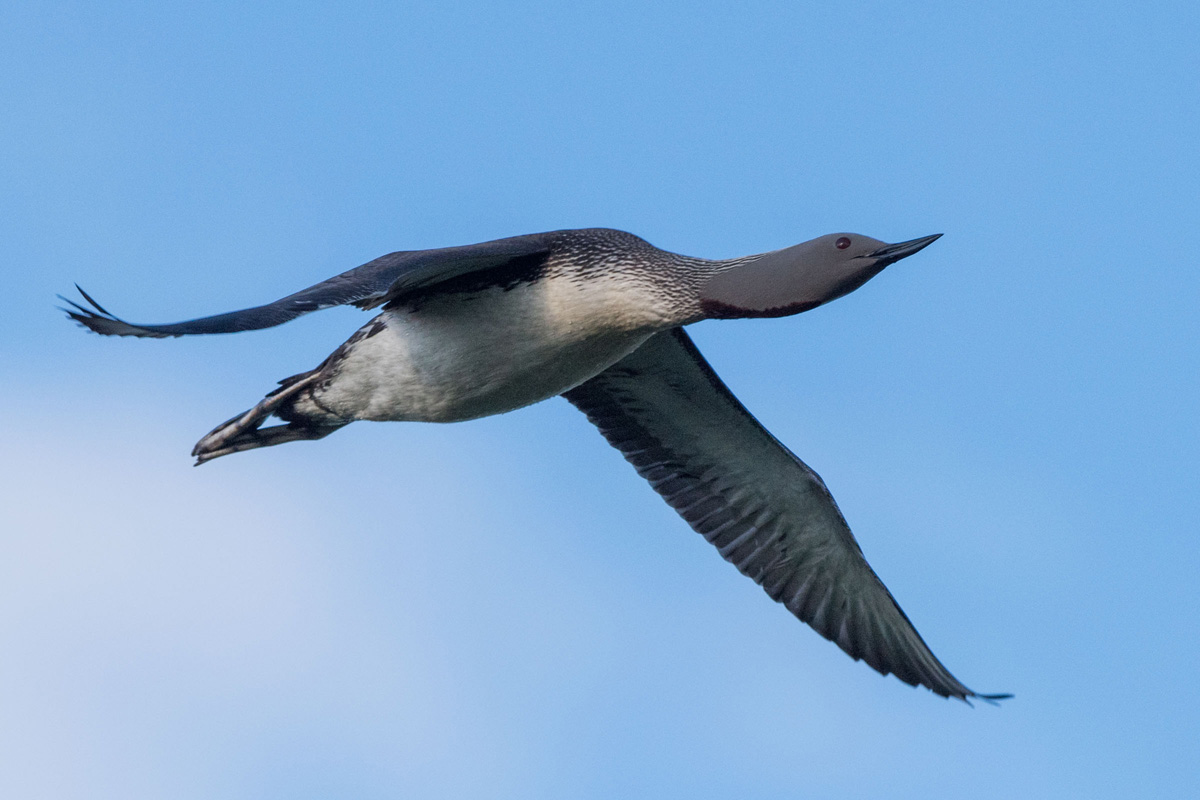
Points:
(798, 278)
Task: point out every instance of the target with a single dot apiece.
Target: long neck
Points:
(672, 283)
(699, 274)
(679, 283)
(782, 282)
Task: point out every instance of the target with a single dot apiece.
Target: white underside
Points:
(469, 356)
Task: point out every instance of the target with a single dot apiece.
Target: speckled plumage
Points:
(560, 319)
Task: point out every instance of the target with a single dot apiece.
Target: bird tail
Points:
(245, 431)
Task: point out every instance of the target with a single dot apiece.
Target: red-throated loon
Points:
(596, 315)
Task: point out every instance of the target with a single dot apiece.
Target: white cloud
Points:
(174, 632)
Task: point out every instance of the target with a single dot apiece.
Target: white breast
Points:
(465, 356)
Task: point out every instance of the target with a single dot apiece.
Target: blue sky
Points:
(502, 608)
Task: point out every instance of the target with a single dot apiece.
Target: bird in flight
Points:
(597, 316)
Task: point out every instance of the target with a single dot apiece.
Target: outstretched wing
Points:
(374, 283)
(767, 513)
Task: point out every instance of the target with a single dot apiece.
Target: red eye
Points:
(842, 243)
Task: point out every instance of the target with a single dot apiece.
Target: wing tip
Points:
(967, 696)
(98, 319)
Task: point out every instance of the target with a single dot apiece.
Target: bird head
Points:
(801, 277)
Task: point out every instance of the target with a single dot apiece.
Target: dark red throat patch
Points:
(715, 309)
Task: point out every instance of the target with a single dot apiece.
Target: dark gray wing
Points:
(374, 283)
(770, 515)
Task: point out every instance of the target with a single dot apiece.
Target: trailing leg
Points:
(245, 431)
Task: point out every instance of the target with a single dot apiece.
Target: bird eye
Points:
(842, 243)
